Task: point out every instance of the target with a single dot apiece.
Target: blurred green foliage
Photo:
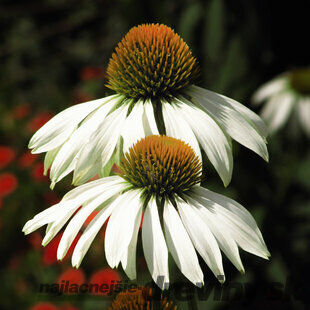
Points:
(54, 53)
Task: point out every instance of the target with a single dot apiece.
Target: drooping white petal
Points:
(211, 138)
(133, 127)
(149, 122)
(303, 110)
(178, 128)
(59, 222)
(47, 216)
(91, 231)
(121, 226)
(270, 88)
(234, 123)
(66, 158)
(202, 238)
(49, 157)
(91, 189)
(71, 201)
(101, 144)
(154, 245)
(234, 207)
(59, 128)
(88, 193)
(277, 110)
(227, 244)
(180, 245)
(128, 259)
(248, 114)
(241, 229)
(77, 221)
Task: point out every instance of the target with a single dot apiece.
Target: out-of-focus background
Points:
(54, 54)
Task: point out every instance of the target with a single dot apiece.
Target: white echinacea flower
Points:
(152, 72)
(161, 177)
(285, 95)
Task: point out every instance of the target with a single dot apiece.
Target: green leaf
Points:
(215, 31)
(189, 20)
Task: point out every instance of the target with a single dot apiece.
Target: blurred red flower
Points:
(35, 239)
(39, 120)
(51, 198)
(142, 217)
(74, 276)
(116, 169)
(37, 173)
(89, 73)
(82, 97)
(44, 306)
(90, 218)
(27, 159)
(8, 183)
(50, 251)
(7, 154)
(105, 276)
(21, 111)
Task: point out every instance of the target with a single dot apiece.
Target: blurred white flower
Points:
(152, 72)
(161, 177)
(286, 94)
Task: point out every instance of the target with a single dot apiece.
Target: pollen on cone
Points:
(151, 61)
(161, 165)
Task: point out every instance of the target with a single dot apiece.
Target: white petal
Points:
(277, 110)
(149, 122)
(270, 88)
(77, 221)
(304, 113)
(234, 123)
(57, 225)
(121, 226)
(248, 114)
(154, 245)
(202, 238)
(42, 218)
(211, 138)
(242, 231)
(59, 128)
(49, 157)
(102, 144)
(234, 207)
(90, 189)
(128, 259)
(181, 246)
(71, 201)
(133, 127)
(91, 231)
(178, 128)
(222, 235)
(66, 158)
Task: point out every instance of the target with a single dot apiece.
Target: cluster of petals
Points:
(282, 102)
(206, 222)
(88, 137)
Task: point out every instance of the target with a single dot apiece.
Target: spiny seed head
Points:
(162, 166)
(151, 61)
(139, 299)
(300, 80)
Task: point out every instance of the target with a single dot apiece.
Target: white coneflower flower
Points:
(152, 72)
(160, 176)
(284, 95)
